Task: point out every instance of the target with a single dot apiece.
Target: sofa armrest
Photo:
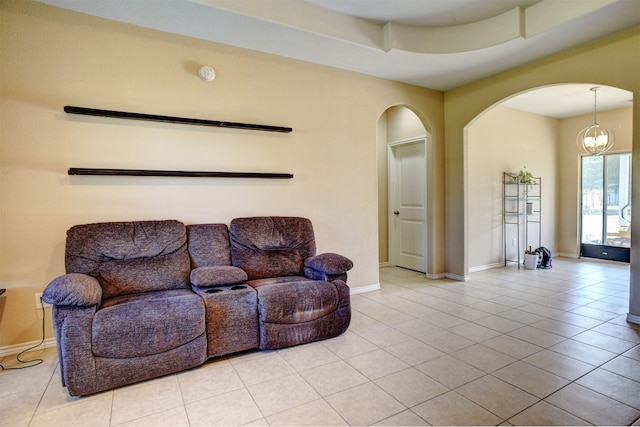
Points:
(327, 267)
(329, 263)
(218, 275)
(73, 289)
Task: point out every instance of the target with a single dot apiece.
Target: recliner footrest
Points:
(232, 318)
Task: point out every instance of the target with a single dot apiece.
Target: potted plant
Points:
(524, 177)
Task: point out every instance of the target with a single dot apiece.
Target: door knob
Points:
(396, 213)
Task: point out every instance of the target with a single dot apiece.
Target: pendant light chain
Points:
(595, 104)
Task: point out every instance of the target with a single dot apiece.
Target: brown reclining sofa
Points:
(149, 298)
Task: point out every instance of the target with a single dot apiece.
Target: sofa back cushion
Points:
(208, 245)
(130, 257)
(271, 246)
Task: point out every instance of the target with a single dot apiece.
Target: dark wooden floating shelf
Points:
(188, 174)
(170, 119)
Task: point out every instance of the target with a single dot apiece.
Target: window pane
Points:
(618, 185)
(592, 199)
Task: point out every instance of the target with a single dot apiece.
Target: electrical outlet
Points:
(39, 302)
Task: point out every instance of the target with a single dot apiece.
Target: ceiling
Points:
(439, 44)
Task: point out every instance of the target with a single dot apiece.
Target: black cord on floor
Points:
(34, 362)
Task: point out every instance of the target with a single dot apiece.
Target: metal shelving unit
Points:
(521, 216)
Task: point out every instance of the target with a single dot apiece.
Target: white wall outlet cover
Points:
(207, 73)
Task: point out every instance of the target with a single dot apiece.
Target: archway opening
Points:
(401, 137)
(533, 130)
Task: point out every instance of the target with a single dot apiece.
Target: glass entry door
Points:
(606, 207)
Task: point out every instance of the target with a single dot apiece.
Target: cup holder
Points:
(216, 290)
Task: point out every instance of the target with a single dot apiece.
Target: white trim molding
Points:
(486, 267)
(457, 277)
(35, 345)
(633, 318)
(367, 288)
(567, 255)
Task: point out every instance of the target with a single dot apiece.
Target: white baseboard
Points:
(566, 255)
(17, 348)
(430, 276)
(486, 267)
(457, 277)
(362, 289)
(632, 318)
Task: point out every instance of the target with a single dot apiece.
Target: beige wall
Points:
(505, 140)
(617, 65)
(568, 196)
(383, 217)
(51, 58)
(403, 124)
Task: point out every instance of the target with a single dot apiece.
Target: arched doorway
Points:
(403, 146)
(521, 132)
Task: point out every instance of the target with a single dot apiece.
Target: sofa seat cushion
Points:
(147, 324)
(296, 302)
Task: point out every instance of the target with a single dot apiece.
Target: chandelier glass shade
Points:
(595, 139)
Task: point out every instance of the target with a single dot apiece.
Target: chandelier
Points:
(595, 139)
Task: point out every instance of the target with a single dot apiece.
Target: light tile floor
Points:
(521, 347)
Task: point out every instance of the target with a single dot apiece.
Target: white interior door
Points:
(408, 204)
